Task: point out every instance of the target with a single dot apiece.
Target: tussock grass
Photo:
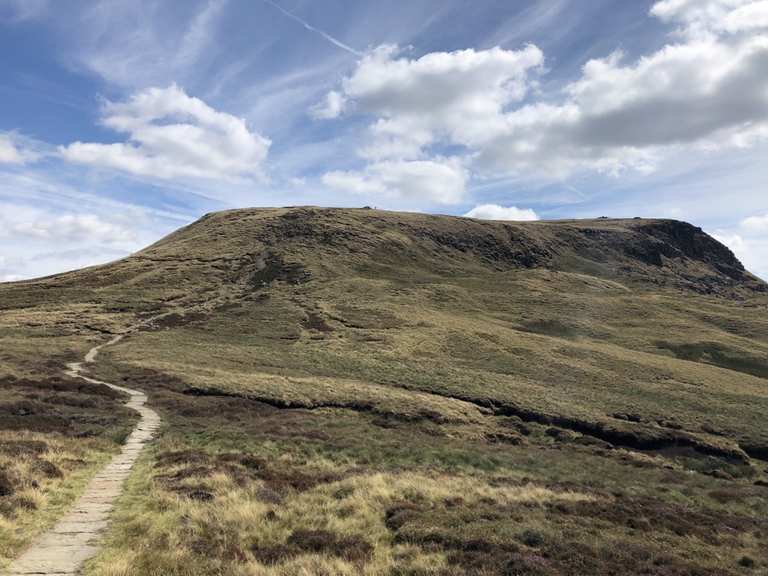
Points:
(248, 529)
(42, 475)
(55, 433)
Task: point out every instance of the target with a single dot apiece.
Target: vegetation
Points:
(363, 392)
(54, 434)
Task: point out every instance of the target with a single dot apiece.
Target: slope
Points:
(302, 353)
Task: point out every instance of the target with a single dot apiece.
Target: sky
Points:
(122, 120)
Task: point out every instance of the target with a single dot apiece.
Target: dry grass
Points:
(41, 475)
(337, 527)
(55, 433)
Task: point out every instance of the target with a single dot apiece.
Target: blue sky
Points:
(123, 120)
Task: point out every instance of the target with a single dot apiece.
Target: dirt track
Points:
(76, 537)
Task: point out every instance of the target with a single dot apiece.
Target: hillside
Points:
(359, 391)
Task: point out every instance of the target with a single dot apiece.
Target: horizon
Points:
(123, 121)
(360, 208)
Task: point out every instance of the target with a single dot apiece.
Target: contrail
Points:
(311, 28)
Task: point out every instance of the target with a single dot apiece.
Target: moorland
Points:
(353, 391)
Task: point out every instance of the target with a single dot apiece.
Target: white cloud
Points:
(702, 16)
(749, 241)
(22, 221)
(454, 95)
(471, 81)
(734, 241)
(756, 223)
(703, 92)
(751, 250)
(16, 150)
(8, 152)
(748, 17)
(330, 107)
(442, 181)
(496, 212)
(56, 217)
(172, 135)
(56, 229)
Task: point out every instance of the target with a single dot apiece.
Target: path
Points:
(76, 538)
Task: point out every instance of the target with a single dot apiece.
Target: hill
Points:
(359, 391)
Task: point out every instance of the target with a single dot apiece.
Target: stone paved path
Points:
(76, 538)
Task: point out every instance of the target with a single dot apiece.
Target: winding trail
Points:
(77, 536)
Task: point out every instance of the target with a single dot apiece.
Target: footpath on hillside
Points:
(77, 536)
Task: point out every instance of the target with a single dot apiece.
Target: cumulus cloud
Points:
(683, 93)
(750, 16)
(703, 93)
(706, 89)
(701, 16)
(441, 181)
(472, 81)
(173, 135)
(496, 212)
(453, 95)
(16, 150)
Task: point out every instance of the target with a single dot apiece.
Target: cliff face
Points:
(673, 239)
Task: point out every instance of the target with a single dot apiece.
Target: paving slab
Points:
(77, 536)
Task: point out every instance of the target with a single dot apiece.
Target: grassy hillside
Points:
(357, 391)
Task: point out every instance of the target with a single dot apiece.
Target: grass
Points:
(42, 476)
(489, 360)
(233, 502)
(359, 392)
(55, 433)
(231, 480)
(252, 525)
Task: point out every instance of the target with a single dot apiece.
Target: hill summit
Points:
(238, 246)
